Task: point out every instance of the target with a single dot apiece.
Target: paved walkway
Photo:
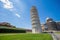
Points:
(55, 36)
(58, 36)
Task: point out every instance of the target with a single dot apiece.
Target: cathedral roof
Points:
(49, 18)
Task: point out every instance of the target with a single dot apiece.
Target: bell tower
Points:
(36, 26)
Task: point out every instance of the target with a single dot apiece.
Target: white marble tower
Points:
(36, 26)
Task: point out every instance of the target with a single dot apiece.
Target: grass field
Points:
(24, 36)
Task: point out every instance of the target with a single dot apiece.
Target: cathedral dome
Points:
(49, 19)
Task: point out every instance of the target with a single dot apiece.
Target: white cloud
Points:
(7, 4)
(17, 15)
(21, 5)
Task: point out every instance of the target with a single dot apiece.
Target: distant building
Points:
(58, 25)
(43, 27)
(6, 24)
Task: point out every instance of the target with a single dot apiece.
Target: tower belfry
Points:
(36, 27)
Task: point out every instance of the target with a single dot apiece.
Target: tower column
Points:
(36, 27)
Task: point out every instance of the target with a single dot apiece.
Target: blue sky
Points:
(17, 12)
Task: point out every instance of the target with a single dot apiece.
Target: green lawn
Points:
(24, 36)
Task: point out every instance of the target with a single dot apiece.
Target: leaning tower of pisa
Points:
(36, 26)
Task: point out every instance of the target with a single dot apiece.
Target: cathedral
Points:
(51, 25)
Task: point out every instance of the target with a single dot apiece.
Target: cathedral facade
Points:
(51, 25)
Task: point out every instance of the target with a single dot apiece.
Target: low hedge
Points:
(5, 30)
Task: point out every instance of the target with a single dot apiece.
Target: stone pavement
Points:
(58, 36)
(55, 36)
